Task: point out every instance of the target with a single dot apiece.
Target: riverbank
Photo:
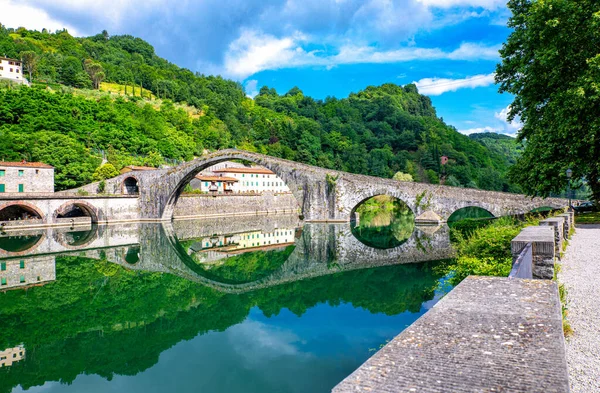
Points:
(580, 274)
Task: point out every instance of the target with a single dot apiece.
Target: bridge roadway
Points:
(157, 248)
(323, 194)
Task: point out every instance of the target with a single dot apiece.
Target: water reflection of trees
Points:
(127, 318)
(383, 222)
(243, 268)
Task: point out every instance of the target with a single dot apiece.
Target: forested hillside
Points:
(62, 121)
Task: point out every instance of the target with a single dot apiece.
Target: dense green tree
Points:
(551, 63)
(378, 131)
(105, 171)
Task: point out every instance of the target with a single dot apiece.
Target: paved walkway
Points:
(581, 276)
(489, 334)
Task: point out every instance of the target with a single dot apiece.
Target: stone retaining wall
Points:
(202, 205)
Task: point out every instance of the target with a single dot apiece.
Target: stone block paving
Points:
(580, 273)
(489, 334)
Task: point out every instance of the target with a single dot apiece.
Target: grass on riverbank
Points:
(483, 247)
(587, 218)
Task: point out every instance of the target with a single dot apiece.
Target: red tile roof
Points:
(263, 171)
(26, 164)
(138, 168)
(216, 178)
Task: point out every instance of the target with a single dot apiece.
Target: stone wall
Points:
(189, 206)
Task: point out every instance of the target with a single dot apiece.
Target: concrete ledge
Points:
(489, 334)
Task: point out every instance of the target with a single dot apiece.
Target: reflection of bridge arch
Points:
(77, 239)
(74, 208)
(321, 243)
(27, 244)
(182, 175)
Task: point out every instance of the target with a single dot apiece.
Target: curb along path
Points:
(580, 274)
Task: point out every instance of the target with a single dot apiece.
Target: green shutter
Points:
(2, 188)
(20, 188)
(3, 266)
(2, 172)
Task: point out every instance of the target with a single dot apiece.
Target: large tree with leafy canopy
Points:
(551, 63)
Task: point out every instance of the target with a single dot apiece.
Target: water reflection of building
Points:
(25, 272)
(12, 355)
(214, 248)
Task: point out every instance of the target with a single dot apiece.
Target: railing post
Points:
(542, 249)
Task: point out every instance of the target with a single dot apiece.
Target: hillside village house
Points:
(26, 176)
(12, 69)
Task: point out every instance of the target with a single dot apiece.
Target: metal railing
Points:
(522, 268)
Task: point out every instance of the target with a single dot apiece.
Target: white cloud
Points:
(487, 4)
(437, 86)
(478, 130)
(255, 51)
(251, 88)
(514, 125)
(18, 14)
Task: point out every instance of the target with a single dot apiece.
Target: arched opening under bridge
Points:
(76, 210)
(130, 186)
(227, 187)
(382, 222)
(19, 211)
(470, 213)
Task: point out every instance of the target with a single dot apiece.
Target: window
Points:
(22, 279)
(11, 63)
(17, 70)
(205, 184)
(2, 188)
(11, 70)
(17, 64)
(22, 264)
(21, 172)
(1, 68)
(3, 282)
(20, 188)
(37, 171)
(2, 172)
(3, 266)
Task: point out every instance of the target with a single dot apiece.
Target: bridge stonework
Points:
(323, 194)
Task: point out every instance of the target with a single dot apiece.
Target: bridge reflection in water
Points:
(101, 290)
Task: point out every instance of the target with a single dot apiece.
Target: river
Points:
(255, 304)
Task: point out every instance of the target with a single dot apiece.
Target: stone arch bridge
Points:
(322, 194)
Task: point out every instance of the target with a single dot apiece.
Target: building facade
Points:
(12, 355)
(214, 184)
(254, 180)
(25, 272)
(12, 69)
(26, 177)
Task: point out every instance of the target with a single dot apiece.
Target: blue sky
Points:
(325, 47)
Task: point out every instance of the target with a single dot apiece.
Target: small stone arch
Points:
(130, 186)
(85, 207)
(185, 173)
(20, 210)
(491, 214)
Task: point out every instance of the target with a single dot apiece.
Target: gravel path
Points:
(581, 275)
